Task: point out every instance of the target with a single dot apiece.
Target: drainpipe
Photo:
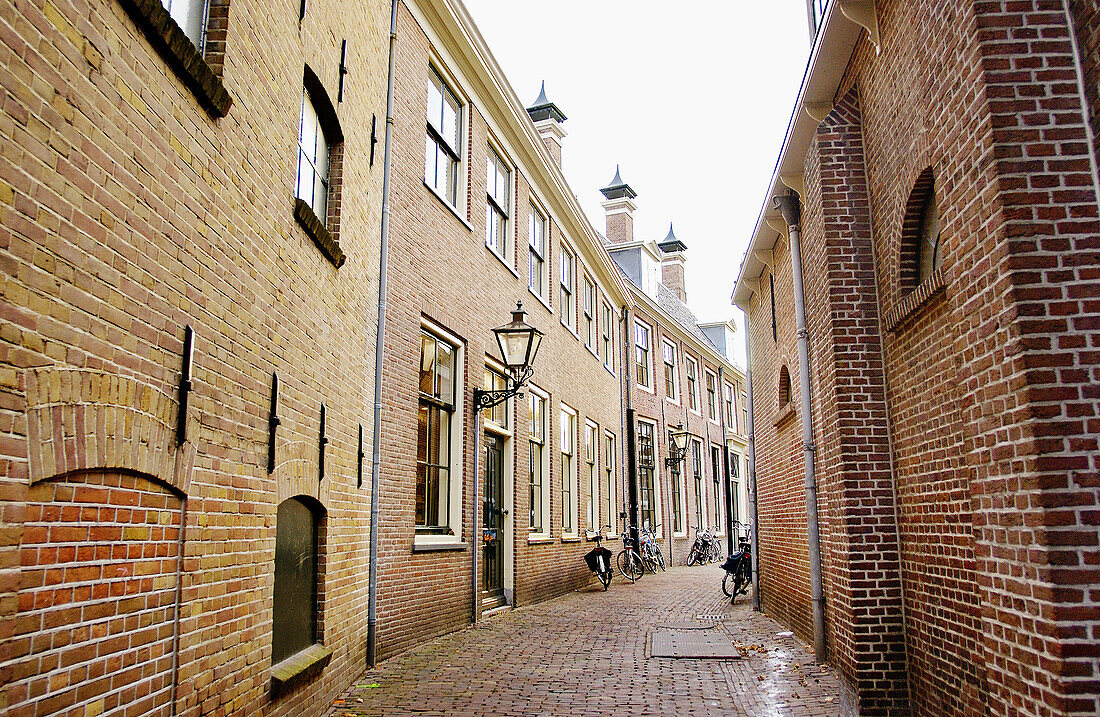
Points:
(475, 534)
(788, 205)
(631, 435)
(379, 345)
(751, 477)
(725, 460)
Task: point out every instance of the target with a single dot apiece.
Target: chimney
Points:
(548, 123)
(619, 209)
(672, 264)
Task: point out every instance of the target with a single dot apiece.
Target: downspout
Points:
(725, 459)
(475, 538)
(788, 205)
(751, 477)
(379, 348)
(632, 520)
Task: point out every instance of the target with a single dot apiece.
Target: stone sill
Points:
(168, 39)
(438, 547)
(784, 415)
(571, 538)
(317, 232)
(541, 540)
(915, 299)
(298, 666)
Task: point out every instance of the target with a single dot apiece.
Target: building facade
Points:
(922, 323)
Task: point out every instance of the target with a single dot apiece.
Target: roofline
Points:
(455, 28)
(833, 47)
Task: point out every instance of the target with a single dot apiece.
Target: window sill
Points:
(540, 539)
(317, 232)
(168, 39)
(915, 299)
(609, 369)
(571, 538)
(502, 260)
(452, 210)
(299, 666)
(784, 415)
(592, 352)
(673, 401)
(542, 301)
(437, 546)
(571, 330)
(647, 389)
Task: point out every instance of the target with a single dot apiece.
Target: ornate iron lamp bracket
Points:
(487, 399)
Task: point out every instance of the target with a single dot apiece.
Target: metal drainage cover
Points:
(686, 625)
(697, 644)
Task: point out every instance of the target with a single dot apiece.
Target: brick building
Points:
(681, 374)
(943, 240)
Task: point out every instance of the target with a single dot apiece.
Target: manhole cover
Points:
(695, 643)
(687, 625)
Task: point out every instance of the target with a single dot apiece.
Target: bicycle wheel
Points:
(728, 583)
(694, 557)
(648, 561)
(630, 565)
(659, 556)
(740, 584)
(605, 578)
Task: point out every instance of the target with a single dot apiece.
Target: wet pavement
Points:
(587, 654)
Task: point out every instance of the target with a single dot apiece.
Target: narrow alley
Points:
(588, 653)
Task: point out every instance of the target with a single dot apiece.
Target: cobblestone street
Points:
(587, 653)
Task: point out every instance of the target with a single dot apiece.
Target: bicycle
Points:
(628, 560)
(700, 549)
(714, 551)
(652, 557)
(599, 558)
(738, 567)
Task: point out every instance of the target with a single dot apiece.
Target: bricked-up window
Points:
(591, 446)
(670, 370)
(568, 425)
(641, 354)
(607, 321)
(607, 492)
(536, 263)
(727, 390)
(589, 314)
(539, 465)
(294, 607)
(697, 474)
(647, 496)
(434, 433)
(498, 180)
(442, 153)
(677, 496)
(693, 383)
(712, 396)
(565, 296)
(716, 485)
(784, 387)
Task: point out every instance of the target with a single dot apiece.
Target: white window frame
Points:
(648, 386)
(592, 469)
(608, 452)
(713, 407)
(568, 313)
(693, 386)
(607, 340)
(589, 306)
(567, 439)
(313, 159)
(435, 136)
(666, 346)
(498, 205)
(533, 219)
(544, 513)
(457, 447)
(729, 405)
(193, 13)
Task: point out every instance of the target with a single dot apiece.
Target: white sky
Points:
(691, 99)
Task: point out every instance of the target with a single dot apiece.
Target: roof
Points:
(618, 188)
(670, 243)
(545, 109)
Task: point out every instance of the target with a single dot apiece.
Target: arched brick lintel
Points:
(80, 420)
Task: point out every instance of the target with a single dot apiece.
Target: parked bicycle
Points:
(652, 557)
(704, 549)
(738, 566)
(599, 558)
(628, 560)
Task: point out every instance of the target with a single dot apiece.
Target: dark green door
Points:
(493, 513)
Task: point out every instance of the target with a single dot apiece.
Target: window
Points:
(607, 493)
(606, 322)
(731, 425)
(712, 396)
(442, 152)
(497, 204)
(647, 496)
(928, 253)
(294, 611)
(498, 414)
(313, 160)
(190, 15)
(589, 314)
(670, 370)
(438, 362)
(697, 472)
(536, 240)
(716, 485)
(784, 387)
(921, 231)
(591, 445)
(540, 487)
(693, 383)
(320, 157)
(568, 471)
(677, 494)
(641, 354)
(565, 303)
(744, 412)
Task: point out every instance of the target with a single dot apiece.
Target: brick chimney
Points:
(548, 121)
(619, 209)
(672, 264)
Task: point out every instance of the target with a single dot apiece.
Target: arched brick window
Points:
(921, 253)
(784, 386)
(298, 576)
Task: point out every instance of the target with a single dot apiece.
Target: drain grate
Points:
(692, 643)
(686, 625)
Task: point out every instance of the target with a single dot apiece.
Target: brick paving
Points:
(586, 654)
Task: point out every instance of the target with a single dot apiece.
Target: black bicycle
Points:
(738, 568)
(599, 558)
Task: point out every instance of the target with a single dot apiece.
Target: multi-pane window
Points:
(568, 425)
(693, 383)
(670, 370)
(565, 297)
(498, 185)
(590, 448)
(641, 354)
(712, 396)
(589, 314)
(607, 494)
(744, 412)
(540, 521)
(536, 262)
(727, 390)
(190, 15)
(716, 485)
(442, 145)
(697, 473)
(313, 156)
(433, 444)
(647, 497)
(498, 414)
(607, 343)
(677, 494)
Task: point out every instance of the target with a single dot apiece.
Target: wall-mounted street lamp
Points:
(677, 446)
(519, 342)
